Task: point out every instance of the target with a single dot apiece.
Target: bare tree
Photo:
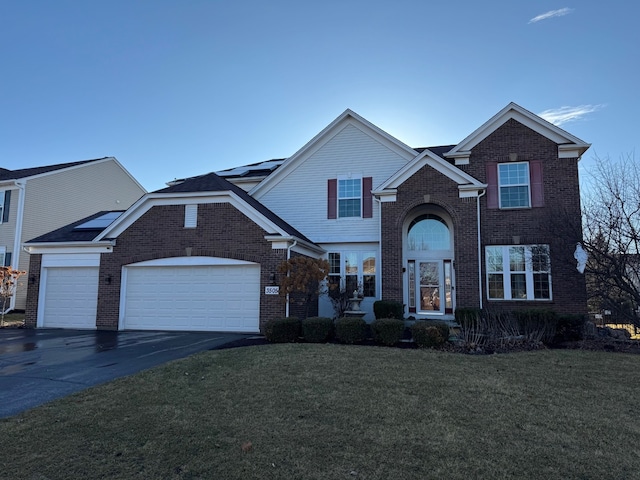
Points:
(611, 236)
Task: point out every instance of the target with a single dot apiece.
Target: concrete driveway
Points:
(37, 366)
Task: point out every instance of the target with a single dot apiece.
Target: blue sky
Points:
(174, 88)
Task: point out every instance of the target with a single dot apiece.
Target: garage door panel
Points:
(71, 297)
(212, 297)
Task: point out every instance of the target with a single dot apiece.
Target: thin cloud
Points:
(552, 14)
(562, 115)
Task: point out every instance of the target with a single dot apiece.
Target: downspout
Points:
(295, 242)
(379, 265)
(15, 257)
(480, 195)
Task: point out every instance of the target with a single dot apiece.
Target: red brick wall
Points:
(532, 225)
(33, 279)
(222, 231)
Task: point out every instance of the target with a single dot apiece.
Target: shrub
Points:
(317, 329)
(282, 330)
(466, 317)
(350, 329)
(429, 334)
(388, 309)
(570, 328)
(537, 325)
(387, 331)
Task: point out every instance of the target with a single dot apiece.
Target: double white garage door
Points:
(224, 296)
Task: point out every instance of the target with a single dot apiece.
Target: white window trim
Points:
(191, 216)
(3, 256)
(528, 185)
(506, 275)
(338, 197)
(360, 256)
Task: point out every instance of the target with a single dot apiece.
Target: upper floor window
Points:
(513, 182)
(518, 272)
(349, 197)
(429, 232)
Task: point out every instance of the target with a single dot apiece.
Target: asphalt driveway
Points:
(37, 366)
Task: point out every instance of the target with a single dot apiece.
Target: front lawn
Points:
(302, 411)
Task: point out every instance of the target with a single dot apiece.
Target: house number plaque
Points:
(271, 290)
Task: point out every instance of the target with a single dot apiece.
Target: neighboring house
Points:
(466, 225)
(36, 200)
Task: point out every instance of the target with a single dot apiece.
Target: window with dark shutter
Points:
(332, 198)
(367, 198)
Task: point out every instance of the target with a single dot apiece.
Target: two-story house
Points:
(36, 200)
(466, 225)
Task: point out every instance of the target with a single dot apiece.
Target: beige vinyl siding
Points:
(65, 196)
(301, 197)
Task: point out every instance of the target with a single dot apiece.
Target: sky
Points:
(176, 88)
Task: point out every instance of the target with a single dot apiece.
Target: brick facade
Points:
(498, 227)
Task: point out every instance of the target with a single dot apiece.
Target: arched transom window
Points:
(429, 232)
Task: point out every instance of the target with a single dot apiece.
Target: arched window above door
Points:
(428, 232)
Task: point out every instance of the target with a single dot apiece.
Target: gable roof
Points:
(211, 182)
(569, 146)
(347, 117)
(6, 174)
(467, 185)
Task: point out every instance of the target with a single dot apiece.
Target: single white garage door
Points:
(70, 298)
(192, 297)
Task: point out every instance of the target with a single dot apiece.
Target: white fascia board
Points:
(69, 247)
(388, 195)
(572, 151)
(516, 112)
(348, 117)
(188, 198)
(470, 191)
(301, 246)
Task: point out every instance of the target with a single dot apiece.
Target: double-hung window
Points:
(349, 197)
(513, 184)
(518, 272)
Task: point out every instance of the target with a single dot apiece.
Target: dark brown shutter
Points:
(537, 192)
(492, 188)
(5, 209)
(367, 198)
(332, 198)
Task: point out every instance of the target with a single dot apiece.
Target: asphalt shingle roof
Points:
(30, 172)
(68, 233)
(210, 182)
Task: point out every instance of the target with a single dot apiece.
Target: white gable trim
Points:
(566, 142)
(159, 199)
(466, 183)
(69, 247)
(347, 118)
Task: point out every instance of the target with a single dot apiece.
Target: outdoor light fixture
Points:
(272, 278)
(108, 279)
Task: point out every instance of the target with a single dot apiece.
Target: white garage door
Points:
(70, 298)
(193, 297)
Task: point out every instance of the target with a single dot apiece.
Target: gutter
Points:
(295, 242)
(17, 238)
(480, 195)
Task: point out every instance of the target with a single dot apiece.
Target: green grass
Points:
(332, 412)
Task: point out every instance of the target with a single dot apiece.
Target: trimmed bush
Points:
(570, 328)
(430, 334)
(388, 309)
(282, 330)
(317, 329)
(350, 330)
(537, 325)
(387, 331)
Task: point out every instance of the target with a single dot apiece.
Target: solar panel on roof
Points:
(99, 223)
